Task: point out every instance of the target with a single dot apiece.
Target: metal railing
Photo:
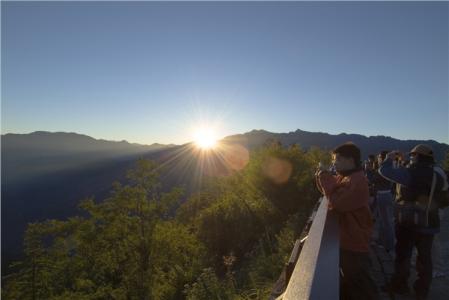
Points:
(316, 272)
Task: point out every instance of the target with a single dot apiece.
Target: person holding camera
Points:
(416, 217)
(348, 196)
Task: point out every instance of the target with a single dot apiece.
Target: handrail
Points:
(316, 274)
(290, 265)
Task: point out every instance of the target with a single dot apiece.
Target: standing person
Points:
(417, 218)
(369, 166)
(348, 195)
(439, 265)
(384, 207)
(370, 173)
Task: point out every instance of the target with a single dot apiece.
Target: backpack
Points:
(416, 213)
(442, 196)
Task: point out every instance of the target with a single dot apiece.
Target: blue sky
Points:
(151, 71)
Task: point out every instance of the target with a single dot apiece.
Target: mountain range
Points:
(306, 139)
(45, 175)
(26, 156)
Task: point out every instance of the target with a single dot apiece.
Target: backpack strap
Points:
(443, 174)
(432, 191)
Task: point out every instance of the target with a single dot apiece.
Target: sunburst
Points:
(205, 138)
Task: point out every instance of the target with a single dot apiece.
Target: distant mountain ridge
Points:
(71, 142)
(26, 156)
(306, 139)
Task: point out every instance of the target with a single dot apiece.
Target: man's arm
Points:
(344, 196)
(327, 182)
(399, 175)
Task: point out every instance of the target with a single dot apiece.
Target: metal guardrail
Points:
(290, 265)
(316, 273)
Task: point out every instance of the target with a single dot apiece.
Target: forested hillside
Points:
(228, 240)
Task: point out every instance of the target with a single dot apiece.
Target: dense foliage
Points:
(228, 240)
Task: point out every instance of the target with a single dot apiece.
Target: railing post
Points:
(316, 274)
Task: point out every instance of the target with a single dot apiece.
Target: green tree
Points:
(247, 217)
(120, 250)
(228, 240)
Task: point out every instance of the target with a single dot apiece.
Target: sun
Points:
(205, 138)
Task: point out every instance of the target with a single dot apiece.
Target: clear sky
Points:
(151, 71)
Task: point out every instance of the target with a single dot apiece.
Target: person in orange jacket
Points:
(348, 195)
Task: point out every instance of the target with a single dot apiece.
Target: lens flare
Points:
(235, 156)
(278, 170)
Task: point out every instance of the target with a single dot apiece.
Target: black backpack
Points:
(442, 196)
(417, 213)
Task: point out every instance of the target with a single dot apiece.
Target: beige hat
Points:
(423, 150)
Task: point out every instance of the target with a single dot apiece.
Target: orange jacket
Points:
(348, 195)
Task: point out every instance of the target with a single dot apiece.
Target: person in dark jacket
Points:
(384, 207)
(370, 173)
(416, 218)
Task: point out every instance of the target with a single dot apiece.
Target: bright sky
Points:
(151, 71)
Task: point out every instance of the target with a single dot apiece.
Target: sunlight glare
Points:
(205, 138)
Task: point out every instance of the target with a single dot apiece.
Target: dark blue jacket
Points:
(414, 181)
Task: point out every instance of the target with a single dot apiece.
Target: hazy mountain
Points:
(27, 156)
(368, 145)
